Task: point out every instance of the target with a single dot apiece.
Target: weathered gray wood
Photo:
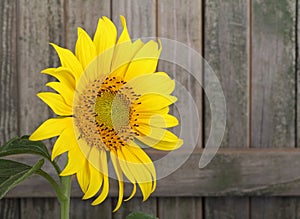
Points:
(84, 14)
(140, 17)
(226, 50)
(8, 71)
(39, 208)
(273, 172)
(81, 209)
(178, 208)
(273, 89)
(298, 76)
(226, 208)
(136, 204)
(9, 208)
(273, 74)
(181, 21)
(39, 23)
(277, 208)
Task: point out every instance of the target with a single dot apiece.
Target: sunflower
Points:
(110, 102)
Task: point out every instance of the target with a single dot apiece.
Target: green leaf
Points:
(140, 215)
(12, 173)
(22, 145)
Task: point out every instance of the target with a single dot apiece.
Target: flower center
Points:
(103, 114)
(112, 109)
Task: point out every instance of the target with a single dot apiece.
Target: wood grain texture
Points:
(298, 75)
(9, 208)
(226, 51)
(81, 209)
(136, 204)
(256, 172)
(273, 89)
(40, 22)
(140, 16)
(277, 208)
(39, 208)
(273, 73)
(177, 208)
(181, 21)
(8, 71)
(226, 208)
(84, 14)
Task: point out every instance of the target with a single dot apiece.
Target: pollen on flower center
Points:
(104, 113)
(112, 109)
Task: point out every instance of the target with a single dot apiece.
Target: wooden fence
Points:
(253, 47)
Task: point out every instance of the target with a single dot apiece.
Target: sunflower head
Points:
(109, 100)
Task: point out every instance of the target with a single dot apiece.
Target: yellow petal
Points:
(66, 92)
(63, 143)
(56, 102)
(159, 83)
(62, 74)
(96, 180)
(157, 120)
(69, 60)
(127, 173)
(75, 162)
(139, 170)
(105, 188)
(105, 40)
(105, 36)
(145, 61)
(123, 54)
(160, 145)
(156, 133)
(119, 174)
(144, 158)
(162, 111)
(124, 51)
(51, 128)
(85, 48)
(124, 35)
(83, 177)
(153, 102)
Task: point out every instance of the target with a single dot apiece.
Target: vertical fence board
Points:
(277, 208)
(226, 208)
(8, 76)
(273, 90)
(139, 14)
(81, 209)
(136, 204)
(226, 50)
(39, 208)
(182, 21)
(273, 75)
(298, 74)
(173, 208)
(39, 24)
(84, 14)
(9, 208)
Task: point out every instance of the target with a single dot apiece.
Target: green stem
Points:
(65, 200)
